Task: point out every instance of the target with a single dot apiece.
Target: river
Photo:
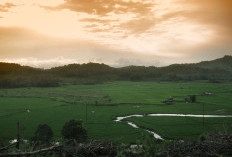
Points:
(157, 136)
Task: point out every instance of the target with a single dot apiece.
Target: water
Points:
(157, 136)
(132, 124)
(189, 115)
(118, 119)
(151, 132)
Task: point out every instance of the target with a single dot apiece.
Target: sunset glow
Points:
(47, 33)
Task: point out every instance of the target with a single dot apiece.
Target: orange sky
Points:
(46, 33)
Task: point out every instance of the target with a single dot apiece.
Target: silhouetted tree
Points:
(73, 130)
(43, 134)
(193, 98)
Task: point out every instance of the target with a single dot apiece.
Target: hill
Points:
(15, 75)
(82, 70)
(224, 63)
(12, 68)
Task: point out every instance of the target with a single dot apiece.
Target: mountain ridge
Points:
(14, 75)
(226, 60)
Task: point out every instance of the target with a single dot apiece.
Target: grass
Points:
(182, 127)
(55, 106)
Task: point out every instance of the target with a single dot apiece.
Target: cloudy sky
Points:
(46, 33)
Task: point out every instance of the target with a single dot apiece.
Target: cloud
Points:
(116, 15)
(99, 25)
(28, 47)
(138, 26)
(117, 32)
(95, 20)
(141, 15)
(104, 7)
(5, 7)
(215, 14)
(43, 63)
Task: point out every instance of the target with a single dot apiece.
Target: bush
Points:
(193, 98)
(43, 134)
(74, 130)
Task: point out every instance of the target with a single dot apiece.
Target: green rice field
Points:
(98, 105)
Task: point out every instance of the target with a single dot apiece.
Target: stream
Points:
(157, 136)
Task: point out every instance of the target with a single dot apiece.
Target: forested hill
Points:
(15, 75)
(224, 63)
(12, 68)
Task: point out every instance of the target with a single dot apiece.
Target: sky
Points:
(48, 33)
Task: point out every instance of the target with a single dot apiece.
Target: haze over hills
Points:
(15, 75)
(224, 63)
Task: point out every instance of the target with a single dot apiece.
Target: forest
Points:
(14, 75)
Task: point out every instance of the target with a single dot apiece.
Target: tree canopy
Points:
(43, 134)
(73, 130)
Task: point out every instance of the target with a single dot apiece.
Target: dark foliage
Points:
(213, 145)
(96, 149)
(14, 75)
(73, 130)
(43, 134)
(193, 98)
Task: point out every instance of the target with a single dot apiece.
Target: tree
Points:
(73, 130)
(193, 98)
(43, 134)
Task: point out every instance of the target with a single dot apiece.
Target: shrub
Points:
(73, 130)
(43, 134)
(193, 98)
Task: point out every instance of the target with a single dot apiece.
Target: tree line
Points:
(15, 75)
